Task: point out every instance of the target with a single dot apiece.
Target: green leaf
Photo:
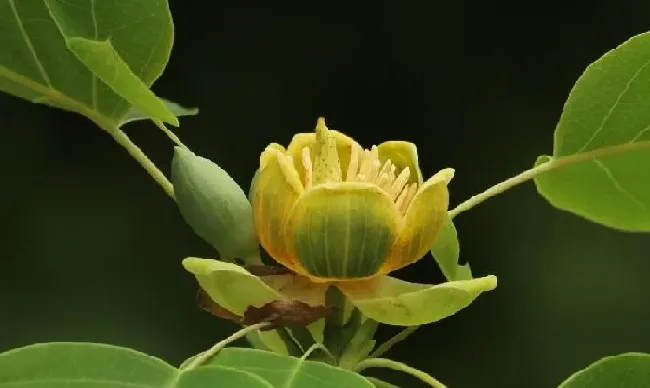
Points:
(396, 302)
(235, 289)
(626, 370)
(102, 59)
(214, 205)
(87, 365)
(288, 372)
(229, 285)
(602, 142)
(381, 383)
(361, 344)
(215, 376)
(446, 252)
(126, 43)
(177, 109)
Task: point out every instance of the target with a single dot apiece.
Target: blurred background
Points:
(92, 247)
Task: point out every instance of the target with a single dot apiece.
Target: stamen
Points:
(384, 170)
(353, 167)
(393, 169)
(365, 163)
(400, 182)
(374, 151)
(412, 190)
(399, 202)
(327, 166)
(373, 171)
(309, 171)
(384, 182)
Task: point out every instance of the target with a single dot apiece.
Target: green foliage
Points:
(92, 57)
(446, 252)
(380, 383)
(602, 142)
(623, 371)
(214, 205)
(288, 372)
(64, 365)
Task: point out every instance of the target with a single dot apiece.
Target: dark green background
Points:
(92, 247)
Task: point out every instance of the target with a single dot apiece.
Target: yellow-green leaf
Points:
(446, 252)
(235, 289)
(396, 302)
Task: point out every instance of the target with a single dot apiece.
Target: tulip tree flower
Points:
(335, 215)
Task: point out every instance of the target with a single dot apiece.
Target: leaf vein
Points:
(640, 134)
(29, 44)
(618, 185)
(48, 92)
(614, 106)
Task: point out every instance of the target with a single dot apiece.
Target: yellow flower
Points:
(332, 211)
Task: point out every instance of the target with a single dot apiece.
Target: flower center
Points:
(364, 166)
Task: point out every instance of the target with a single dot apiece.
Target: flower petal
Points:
(274, 190)
(402, 154)
(341, 231)
(302, 140)
(422, 222)
(396, 302)
(235, 289)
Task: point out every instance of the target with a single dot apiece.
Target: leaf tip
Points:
(490, 282)
(172, 120)
(195, 265)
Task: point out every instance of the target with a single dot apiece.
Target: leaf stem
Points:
(122, 139)
(399, 366)
(318, 346)
(201, 358)
(553, 164)
(397, 338)
(48, 93)
(171, 135)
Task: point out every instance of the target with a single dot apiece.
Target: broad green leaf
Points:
(602, 142)
(288, 372)
(177, 109)
(88, 365)
(396, 302)
(126, 42)
(381, 383)
(446, 252)
(216, 376)
(235, 289)
(214, 205)
(627, 370)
